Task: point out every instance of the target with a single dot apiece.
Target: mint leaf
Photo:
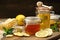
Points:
(8, 31)
(54, 27)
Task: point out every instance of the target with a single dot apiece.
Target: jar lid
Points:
(42, 9)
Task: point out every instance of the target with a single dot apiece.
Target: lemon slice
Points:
(21, 34)
(25, 34)
(18, 34)
(9, 35)
(50, 32)
(41, 33)
(44, 33)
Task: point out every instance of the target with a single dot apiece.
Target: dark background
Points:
(11, 8)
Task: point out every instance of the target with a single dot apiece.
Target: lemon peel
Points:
(20, 19)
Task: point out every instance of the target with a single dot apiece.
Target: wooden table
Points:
(55, 36)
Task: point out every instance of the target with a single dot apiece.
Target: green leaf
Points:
(5, 29)
(54, 27)
(8, 31)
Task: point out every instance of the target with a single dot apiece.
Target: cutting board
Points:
(55, 36)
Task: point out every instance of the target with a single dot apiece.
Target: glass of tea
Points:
(32, 25)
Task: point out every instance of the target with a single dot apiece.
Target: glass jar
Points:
(45, 19)
(55, 22)
(32, 25)
(18, 29)
(44, 14)
(53, 19)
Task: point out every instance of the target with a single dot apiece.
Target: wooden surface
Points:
(55, 36)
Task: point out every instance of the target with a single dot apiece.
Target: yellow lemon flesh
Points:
(41, 34)
(18, 34)
(21, 34)
(44, 33)
(10, 35)
(50, 32)
(20, 19)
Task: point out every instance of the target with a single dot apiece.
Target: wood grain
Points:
(55, 36)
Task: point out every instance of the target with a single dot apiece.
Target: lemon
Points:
(20, 22)
(25, 34)
(44, 33)
(41, 34)
(50, 32)
(10, 35)
(20, 19)
(18, 34)
(21, 34)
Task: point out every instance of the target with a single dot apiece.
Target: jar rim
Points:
(43, 11)
(32, 18)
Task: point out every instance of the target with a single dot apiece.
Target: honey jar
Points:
(32, 25)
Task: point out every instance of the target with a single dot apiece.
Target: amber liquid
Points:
(45, 20)
(32, 28)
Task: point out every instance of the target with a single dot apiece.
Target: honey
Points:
(32, 25)
(32, 29)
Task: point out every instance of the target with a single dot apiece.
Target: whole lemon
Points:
(20, 19)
